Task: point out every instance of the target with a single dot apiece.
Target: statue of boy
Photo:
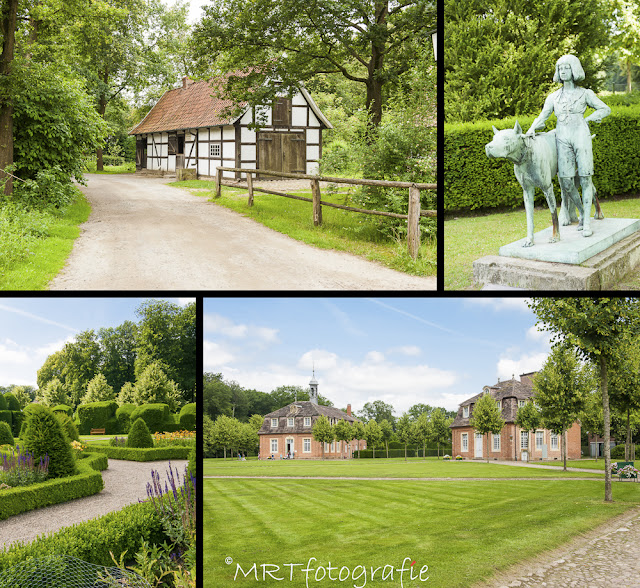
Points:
(573, 138)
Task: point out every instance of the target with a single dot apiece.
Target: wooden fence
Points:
(413, 230)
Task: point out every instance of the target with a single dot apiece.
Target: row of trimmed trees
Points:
(227, 433)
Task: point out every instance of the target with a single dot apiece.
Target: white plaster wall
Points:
(203, 167)
(312, 167)
(171, 166)
(313, 152)
(313, 136)
(229, 152)
(229, 133)
(313, 121)
(247, 117)
(203, 134)
(267, 111)
(298, 116)
(247, 135)
(248, 152)
(298, 99)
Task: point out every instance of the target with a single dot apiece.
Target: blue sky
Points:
(33, 328)
(439, 351)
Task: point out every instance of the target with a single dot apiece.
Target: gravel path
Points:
(124, 483)
(145, 235)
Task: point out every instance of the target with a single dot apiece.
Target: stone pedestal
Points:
(575, 263)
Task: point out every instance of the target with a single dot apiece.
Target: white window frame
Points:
(540, 438)
(524, 440)
(496, 441)
(274, 423)
(465, 412)
(521, 403)
(307, 421)
(554, 441)
(338, 447)
(274, 443)
(464, 441)
(499, 404)
(306, 445)
(333, 447)
(326, 448)
(215, 150)
(290, 421)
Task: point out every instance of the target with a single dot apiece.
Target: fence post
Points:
(413, 228)
(317, 207)
(250, 188)
(218, 183)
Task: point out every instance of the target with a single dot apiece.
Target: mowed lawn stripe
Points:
(463, 531)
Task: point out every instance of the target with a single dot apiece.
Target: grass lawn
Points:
(379, 468)
(463, 530)
(582, 463)
(341, 230)
(469, 238)
(47, 256)
(127, 168)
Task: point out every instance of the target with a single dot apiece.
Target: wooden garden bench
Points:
(97, 431)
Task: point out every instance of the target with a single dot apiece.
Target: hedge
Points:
(156, 416)
(63, 408)
(617, 452)
(475, 181)
(123, 414)
(188, 417)
(91, 541)
(24, 498)
(18, 418)
(139, 454)
(6, 416)
(368, 453)
(97, 415)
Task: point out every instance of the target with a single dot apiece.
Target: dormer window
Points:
(465, 412)
(499, 405)
(290, 422)
(307, 421)
(274, 423)
(521, 403)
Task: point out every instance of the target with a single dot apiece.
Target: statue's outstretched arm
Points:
(600, 108)
(547, 110)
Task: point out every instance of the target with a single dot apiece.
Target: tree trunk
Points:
(405, 452)
(374, 68)
(102, 108)
(387, 446)
(627, 443)
(564, 449)
(629, 76)
(424, 451)
(608, 496)
(225, 452)
(487, 446)
(9, 24)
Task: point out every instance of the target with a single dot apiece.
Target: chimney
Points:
(349, 409)
(185, 82)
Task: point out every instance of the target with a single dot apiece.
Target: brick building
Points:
(288, 430)
(511, 443)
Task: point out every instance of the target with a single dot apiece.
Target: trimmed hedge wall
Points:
(139, 454)
(6, 416)
(617, 452)
(368, 453)
(475, 181)
(63, 408)
(92, 540)
(187, 418)
(24, 498)
(18, 418)
(98, 415)
(156, 416)
(123, 414)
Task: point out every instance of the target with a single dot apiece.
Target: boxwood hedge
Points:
(98, 415)
(24, 498)
(188, 416)
(474, 181)
(156, 416)
(139, 454)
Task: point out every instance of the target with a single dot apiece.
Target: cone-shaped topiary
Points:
(45, 436)
(139, 435)
(6, 438)
(68, 426)
(23, 429)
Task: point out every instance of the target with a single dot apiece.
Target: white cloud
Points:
(524, 364)
(318, 359)
(410, 350)
(374, 357)
(19, 364)
(500, 303)
(538, 336)
(185, 301)
(215, 323)
(215, 355)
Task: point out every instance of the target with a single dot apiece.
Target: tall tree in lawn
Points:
(378, 410)
(596, 327)
(387, 433)
(528, 418)
(625, 40)
(624, 387)
(369, 42)
(154, 386)
(418, 409)
(343, 432)
(486, 418)
(256, 421)
(404, 431)
(422, 432)
(439, 425)
(225, 433)
(373, 435)
(560, 391)
(323, 432)
(591, 419)
(358, 434)
(118, 351)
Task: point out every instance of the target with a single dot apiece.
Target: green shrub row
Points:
(117, 420)
(617, 452)
(138, 454)
(475, 181)
(155, 415)
(92, 540)
(13, 418)
(22, 499)
(368, 453)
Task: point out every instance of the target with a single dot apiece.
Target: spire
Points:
(313, 385)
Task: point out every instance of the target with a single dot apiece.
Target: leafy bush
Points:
(123, 414)
(118, 442)
(139, 435)
(45, 436)
(188, 416)
(156, 416)
(67, 424)
(63, 408)
(141, 454)
(6, 417)
(617, 452)
(112, 159)
(6, 438)
(12, 401)
(192, 462)
(3, 403)
(97, 415)
(19, 230)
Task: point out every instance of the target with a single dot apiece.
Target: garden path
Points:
(124, 483)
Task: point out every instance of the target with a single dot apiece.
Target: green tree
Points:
(54, 393)
(127, 394)
(422, 431)
(225, 433)
(387, 432)
(418, 409)
(591, 419)
(369, 43)
(377, 410)
(499, 55)
(486, 418)
(118, 353)
(596, 327)
(98, 390)
(404, 432)
(154, 385)
(528, 418)
(343, 432)
(256, 421)
(440, 431)
(625, 40)
(373, 435)
(21, 395)
(323, 431)
(248, 439)
(358, 434)
(139, 435)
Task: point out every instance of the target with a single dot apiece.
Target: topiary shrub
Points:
(191, 467)
(95, 415)
(12, 401)
(63, 408)
(17, 416)
(23, 429)
(6, 416)
(3, 402)
(67, 424)
(123, 415)
(156, 416)
(188, 416)
(139, 435)
(6, 438)
(45, 436)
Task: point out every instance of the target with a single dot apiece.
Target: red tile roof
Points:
(185, 108)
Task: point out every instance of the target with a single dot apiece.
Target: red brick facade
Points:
(305, 447)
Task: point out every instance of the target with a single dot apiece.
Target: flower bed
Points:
(19, 468)
(141, 454)
(24, 498)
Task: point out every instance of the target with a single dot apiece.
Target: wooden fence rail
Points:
(413, 229)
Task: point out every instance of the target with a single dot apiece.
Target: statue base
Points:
(616, 257)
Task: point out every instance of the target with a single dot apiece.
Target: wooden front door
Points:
(284, 152)
(141, 153)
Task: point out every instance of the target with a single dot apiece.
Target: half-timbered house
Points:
(189, 128)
